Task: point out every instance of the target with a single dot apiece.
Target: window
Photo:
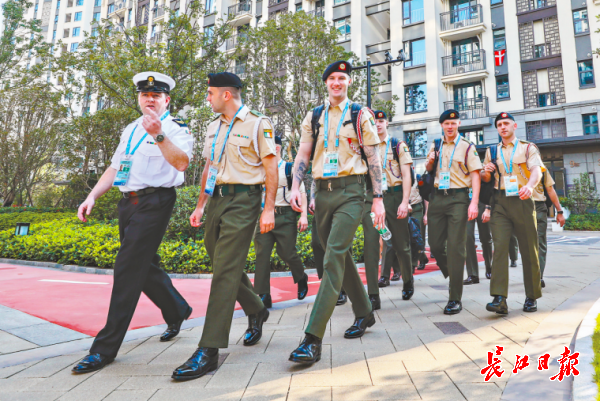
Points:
(590, 124)
(78, 16)
(76, 31)
(94, 32)
(64, 48)
(499, 39)
(502, 88)
(74, 46)
(209, 32)
(129, 14)
(546, 129)
(68, 18)
(70, 3)
(336, 2)
(58, 4)
(539, 50)
(111, 8)
(417, 143)
(546, 99)
(299, 7)
(53, 34)
(56, 18)
(586, 73)
(580, 21)
(211, 6)
(343, 27)
(79, 2)
(96, 16)
(415, 50)
(66, 33)
(36, 7)
(100, 104)
(492, 2)
(97, 3)
(415, 98)
(474, 136)
(412, 11)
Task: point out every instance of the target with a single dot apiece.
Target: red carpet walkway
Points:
(80, 301)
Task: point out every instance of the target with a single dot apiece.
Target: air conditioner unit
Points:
(459, 24)
(461, 70)
(464, 116)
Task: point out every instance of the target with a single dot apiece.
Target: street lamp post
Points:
(402, 57)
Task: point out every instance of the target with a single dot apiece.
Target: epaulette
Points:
(179, 122)
(466, 140)
(257, 113)
(520, 140)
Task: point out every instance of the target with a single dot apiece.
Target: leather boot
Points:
(498, 305)
(309, 350)
(204, 360)
(255, 323)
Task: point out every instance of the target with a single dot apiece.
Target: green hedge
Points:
(583, 222)
(70, 241)
(21, 209)
(9, 220)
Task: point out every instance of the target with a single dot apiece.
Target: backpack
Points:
(396, 152)
(428, 178)
(416, 239)
(289, 166)
(486, 191)
(548, 200)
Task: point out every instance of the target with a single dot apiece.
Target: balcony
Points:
(464, 67)
(158, 13)
(273, 3)
(317, 13)
(240, 13)
(156, 38)
(239, 70)
(116, 10)
(378, 47)
(475, 111)
(384, 91)
(232, 42)
(378, 8)
(462, 24)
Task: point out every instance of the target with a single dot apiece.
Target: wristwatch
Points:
(160, 138)
(380, 196)
(487, 207)
(559, 211)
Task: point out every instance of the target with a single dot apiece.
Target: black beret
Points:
(224, 80)
(338, 66)
(379, 114)
(449, 115)
(277, 140)
(503, 116)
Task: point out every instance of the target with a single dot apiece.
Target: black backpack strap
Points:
(316, 127)
(289, 166)
(356, 111)
(395, 143)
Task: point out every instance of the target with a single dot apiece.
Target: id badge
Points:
(511, 185)
(470, 193)
(384, 185)
(211, 181)
(123, 173)
(330, 165)
(444, 182)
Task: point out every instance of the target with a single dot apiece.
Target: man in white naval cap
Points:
(147, 166)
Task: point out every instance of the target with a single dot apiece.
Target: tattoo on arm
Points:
(375, 170)
(300, 170)
(313, 189)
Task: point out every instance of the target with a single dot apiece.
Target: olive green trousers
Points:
(485, 237)
(371, 247)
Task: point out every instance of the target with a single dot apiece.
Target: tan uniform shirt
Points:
(415, 196)
(349, 160)
(283, 194)
(538, 193)
(523, 161)
(240, 164)
(460, 174)
(392, 167)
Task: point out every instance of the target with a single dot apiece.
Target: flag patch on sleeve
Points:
(268, 133)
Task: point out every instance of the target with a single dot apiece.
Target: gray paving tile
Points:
(12, 319)
(46, 334)
(10, 343)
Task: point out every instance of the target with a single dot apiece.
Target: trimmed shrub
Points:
(9, 220)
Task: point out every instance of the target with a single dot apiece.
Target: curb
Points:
(584, 387)
(110, 272)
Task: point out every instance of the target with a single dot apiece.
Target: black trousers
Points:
(142, 224)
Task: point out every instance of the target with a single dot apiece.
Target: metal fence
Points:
(464, 62)
(461, 18)
(470, 108)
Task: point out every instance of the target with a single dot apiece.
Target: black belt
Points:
(142, 192)
(451, 191)
(232, 189)
(339, 182)
(397, 188)
(283, 209)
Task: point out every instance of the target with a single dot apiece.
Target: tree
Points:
(30, 119)
(21, 43)
(582, 196)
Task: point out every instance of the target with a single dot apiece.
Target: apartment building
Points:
(533, 58)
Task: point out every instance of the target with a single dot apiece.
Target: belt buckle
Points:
(221, 191)
(445, 192)
(329, 186)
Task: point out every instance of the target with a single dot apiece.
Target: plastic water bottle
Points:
(384, 232)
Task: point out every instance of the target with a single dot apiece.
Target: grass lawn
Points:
(596, 362)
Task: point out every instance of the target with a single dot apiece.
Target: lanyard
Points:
(165, 115)
(451, 157)
(280, 163)
(341, 122)
(212, 150)
(511, 158)
(387, 148)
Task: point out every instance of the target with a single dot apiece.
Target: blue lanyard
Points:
(165, 115)
(451, 157)
(280, 162)
(387, 148)
(509, 171)
(341, 122)
(212, 150)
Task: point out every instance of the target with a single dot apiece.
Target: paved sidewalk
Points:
(414, 352)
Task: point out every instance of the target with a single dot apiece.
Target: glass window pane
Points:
(416, 142)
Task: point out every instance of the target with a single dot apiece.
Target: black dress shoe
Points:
(488, 273)
(471, 280)
(498, 305)
(302, 288)
(453, 307)
(408, 290)
(266, 300)
(309, 350)
(173, 329)
(360, 326)
(431, 256)
(255, 324)
(543, 284)
(375, 301)
(422, 264)
(513, 263)
(342, 299)
(92, 363)
(383, 282)
(530, 305)
(204, 360)
(395, 277)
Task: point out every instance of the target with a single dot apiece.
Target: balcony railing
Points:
(470, 108)
(532, 5)
(275, 2)
(242, 8)
(318, 13)
(231, 43)
(414, 16)
(464, 17)
(239, 70)
(158, 12)
(115, 7)
(464, 62)
(154, 39)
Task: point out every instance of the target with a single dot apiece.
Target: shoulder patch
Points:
(257, 113)
(179, 122)
(405, 147)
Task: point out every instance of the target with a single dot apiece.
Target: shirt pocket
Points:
(242, 149)
(520, 168)
(459, 160)
(151, 159)
(348, 137)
